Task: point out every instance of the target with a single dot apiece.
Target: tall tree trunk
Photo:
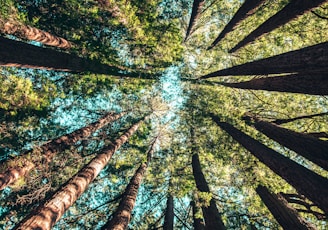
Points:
(285, 215)
(47, 214)
(211, 214)
(292, 10)
(287, 120)
(311, 148)
(169, 214)
(313, 84)
(195, 14)
(30, 56)
(51, 148)
(198, 223)
(306, 60)
(33, 34)
(248, 8)
(306, 182)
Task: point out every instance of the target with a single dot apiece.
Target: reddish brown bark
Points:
(47, 214)
(306, 60)
(53, 147)
(313, 84)
(248, 8)
(198, 223)
(285, 215)
(169, 214)
(195, 14)
(305, 145)
(306, 182)
(292, 10)
(287, 120)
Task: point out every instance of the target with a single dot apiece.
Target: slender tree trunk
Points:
(211, 214)
(47, 214)
(292, 10)
(198, 223)
(286, 216)
(306, 182)
(50, 149)
(169, 214)
(306, 60)
(33, 34)
(284, 121)
(195, 14)
(248, 8)
(30, 56)
(311, 148)
(313, 84)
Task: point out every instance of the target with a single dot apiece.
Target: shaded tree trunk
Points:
(312, 59)
(30, 56)
(47, 214)
(51, 148)
(33, 34)
(292, 10)
(195, 14)
(306, 182)
(284, 121)
(311, 148)
(248, 8)
(169, 214)
(313, 84)
(198, 223)
(285, 215)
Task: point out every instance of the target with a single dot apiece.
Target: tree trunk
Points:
(307, 146)
(50, 149)
(33, 34)
(306, 182)
(313, 84)
(211, 214)
(30, 56)
(198, 223)
(47, 214)
(195, 14)
(169, 214)
(292, 10)
(285, 215)
(248, 8)
(312, 59)
(122, 215)
(284, 121)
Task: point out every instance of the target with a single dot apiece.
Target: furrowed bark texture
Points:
(292, 10)
(169, 214)
(311, 59)
(50, 149)
(305, 181)
(46, 215)
(195, 14)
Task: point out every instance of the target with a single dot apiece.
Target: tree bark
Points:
(311, 59)
(292, 10)
(51, 148)
(30, 56)
(195, 14)
(169, 214)
(198, 223)
(285, 215)
(211, 214)
(313, 84)
(306, 182)
(33, 34)
(305, 145)
(284, 121)
(248, 8)
(47, 214)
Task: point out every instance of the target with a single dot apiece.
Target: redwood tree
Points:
(195, 14)
(287, 120)
(169, 214)
(198, 223)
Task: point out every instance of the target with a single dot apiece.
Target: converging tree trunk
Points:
(47, 214)
(51, 148)
(195, 14)
(169, 214)
(292, 10)
(306, 182)
(33, 34)
(198, 222)
(310, 83)
(287, 120)
(248, 8)
(286, 216)
(311, 148)
(312, 59)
